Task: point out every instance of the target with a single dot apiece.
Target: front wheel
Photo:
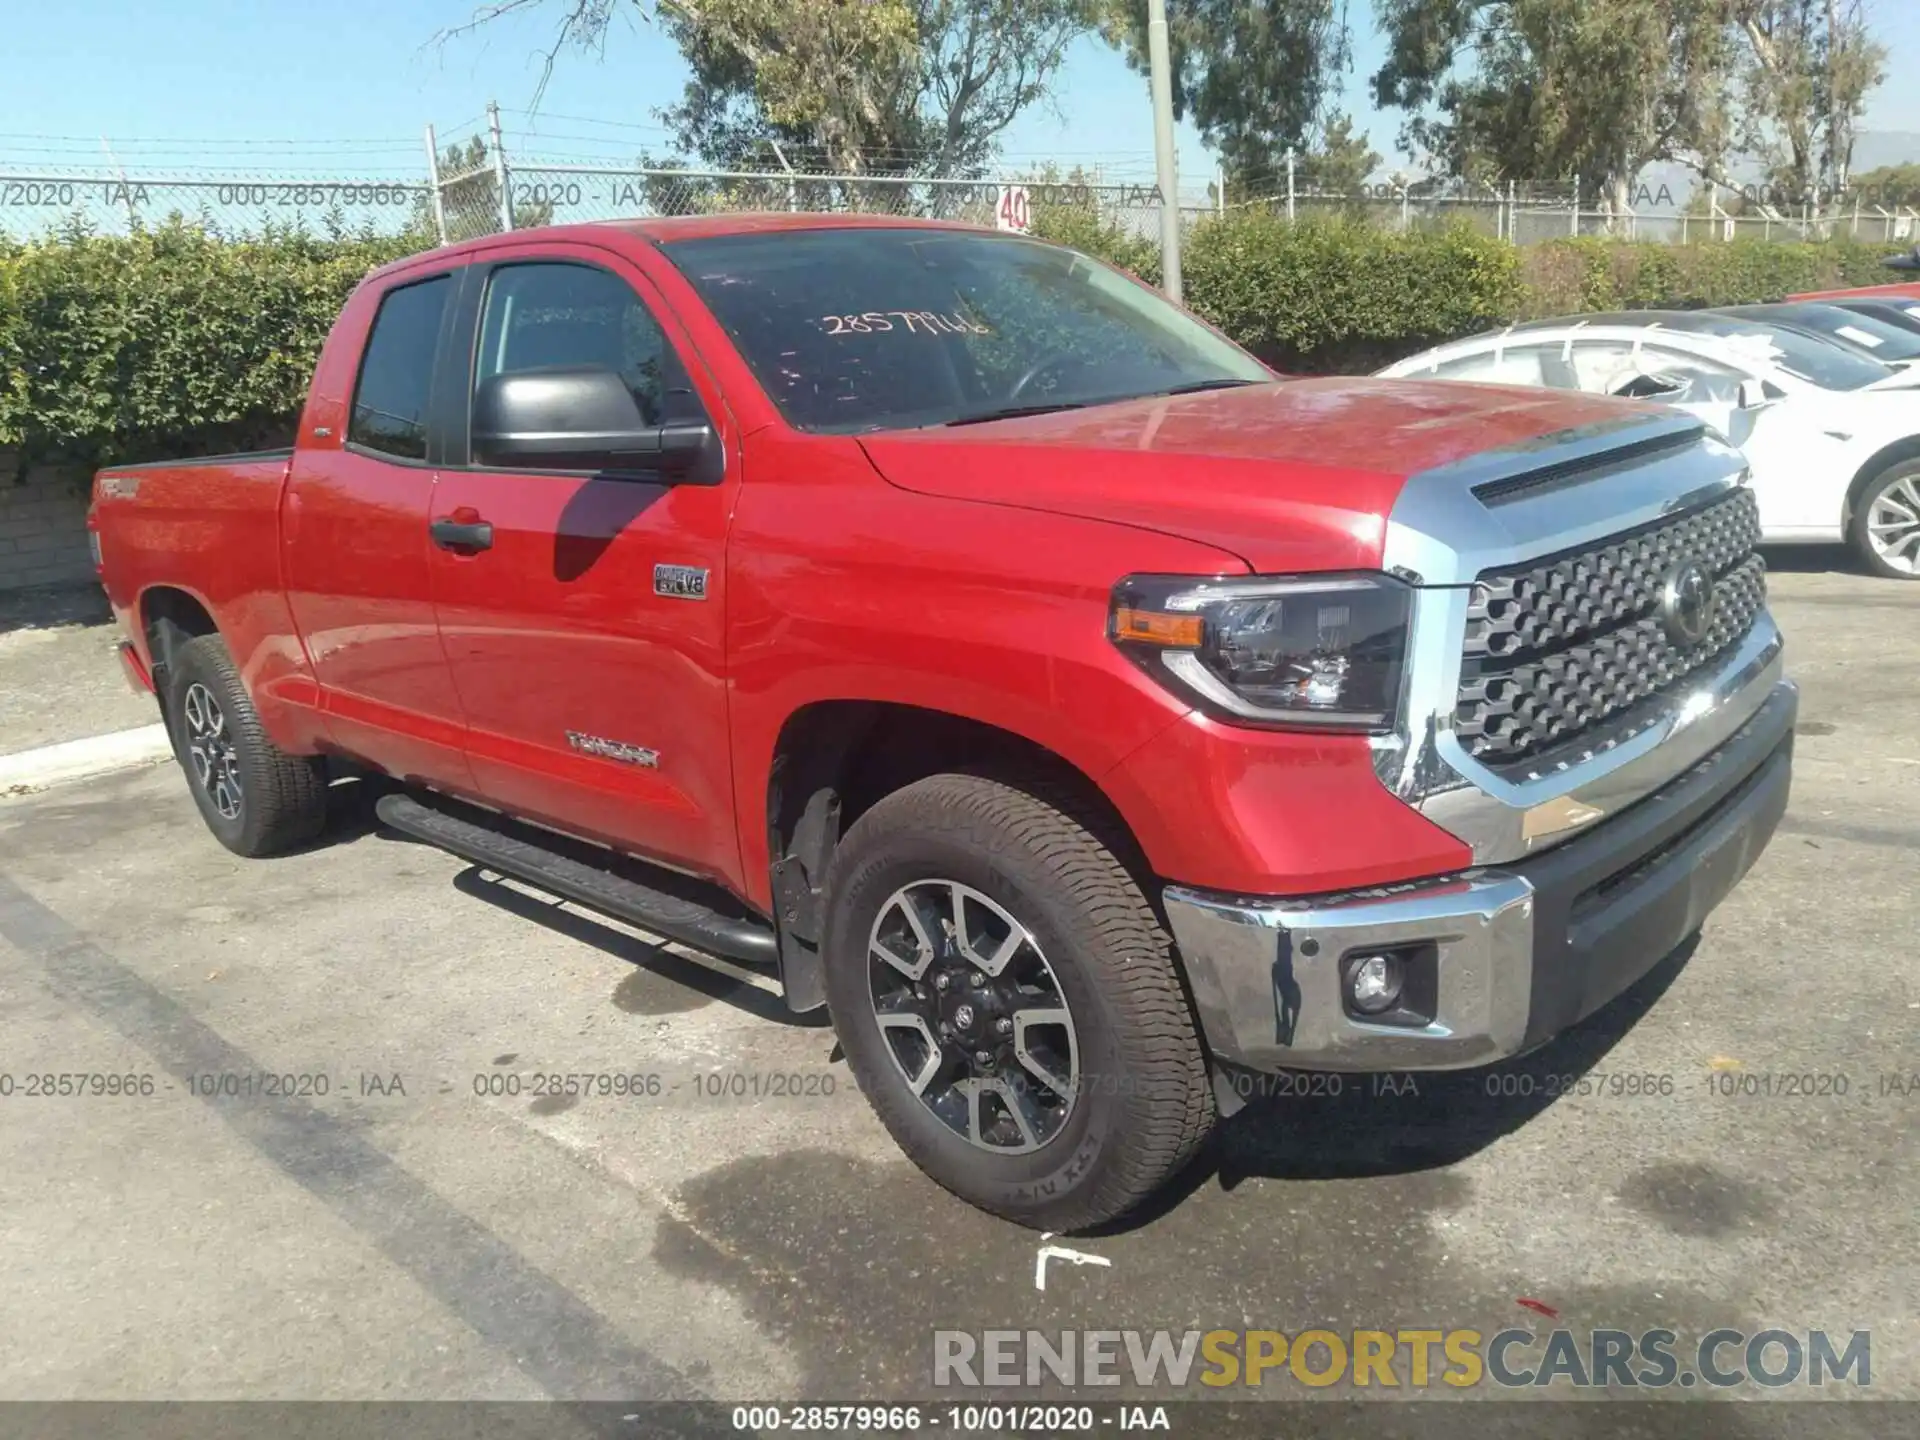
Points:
(255, 798)
(1885, 531)
(1008, 1002)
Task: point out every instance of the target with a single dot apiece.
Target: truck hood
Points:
(1295, 475)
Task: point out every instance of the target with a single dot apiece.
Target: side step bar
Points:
(497, 846)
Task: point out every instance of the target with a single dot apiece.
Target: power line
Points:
(228, 142)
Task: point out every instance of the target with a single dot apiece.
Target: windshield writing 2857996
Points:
(916, 322)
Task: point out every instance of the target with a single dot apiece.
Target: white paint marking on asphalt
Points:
(1060, 1252)
(79, 759)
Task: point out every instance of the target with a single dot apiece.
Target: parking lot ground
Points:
(59, 679)
(425, 1218)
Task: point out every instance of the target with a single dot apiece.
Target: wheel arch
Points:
(834, 759)
(171, 615)
(1876, 465)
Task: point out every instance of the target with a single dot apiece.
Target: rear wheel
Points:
(255, 798)
(1008, 1002)
(1885, 532)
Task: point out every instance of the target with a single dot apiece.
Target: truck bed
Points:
(207, 527)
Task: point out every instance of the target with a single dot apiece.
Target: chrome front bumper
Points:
(1519, 952)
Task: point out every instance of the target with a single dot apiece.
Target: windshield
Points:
(1807, 357)
(868, 329)
(1881, 340)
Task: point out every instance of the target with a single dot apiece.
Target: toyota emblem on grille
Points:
(1687, 603)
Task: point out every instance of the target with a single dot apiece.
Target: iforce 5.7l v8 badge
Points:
(680, 582)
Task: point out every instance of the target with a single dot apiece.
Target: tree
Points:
(1340, 161)
(854, 86)
(1548, 89)
(1551, 89)
(1255, 76)
(1890, 186)
(1809, 65)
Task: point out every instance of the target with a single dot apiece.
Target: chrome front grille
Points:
(1562, 650)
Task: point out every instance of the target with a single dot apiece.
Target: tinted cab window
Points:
(558, 316)
(396, 372)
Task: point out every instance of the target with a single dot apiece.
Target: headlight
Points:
(1315, 650)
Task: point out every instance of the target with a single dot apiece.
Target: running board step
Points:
(500, 844)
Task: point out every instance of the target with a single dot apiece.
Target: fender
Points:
(1905, 449)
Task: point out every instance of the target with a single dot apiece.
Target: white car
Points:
(1832, 436)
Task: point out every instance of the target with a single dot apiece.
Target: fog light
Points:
(1374, 984)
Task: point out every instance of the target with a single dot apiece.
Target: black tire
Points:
(1143, 1105)
(281, 799)
(1903, 476)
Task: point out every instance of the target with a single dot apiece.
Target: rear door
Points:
(586, 634)
(354, 540)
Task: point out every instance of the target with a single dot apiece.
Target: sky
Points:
(348, 87)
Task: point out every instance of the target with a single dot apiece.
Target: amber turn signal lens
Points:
(1155, 628)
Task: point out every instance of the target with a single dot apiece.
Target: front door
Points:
(584, 620)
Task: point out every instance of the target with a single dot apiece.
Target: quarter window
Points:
(552, 316)
(396, 373)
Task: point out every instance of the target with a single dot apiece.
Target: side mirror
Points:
(1753, 395)
(583, 417)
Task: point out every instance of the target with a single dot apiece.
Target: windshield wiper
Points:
(1014, 412)
(1197, 386)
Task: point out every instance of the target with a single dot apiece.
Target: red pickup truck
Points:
(1089, 718)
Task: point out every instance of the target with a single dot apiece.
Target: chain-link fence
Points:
(488, 182)
(113, 202)
(543, 194)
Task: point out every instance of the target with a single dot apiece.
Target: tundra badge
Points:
(614, 750)
(680, 582)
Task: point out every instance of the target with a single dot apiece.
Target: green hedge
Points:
(167, 341)
(1339, 295)
(1563, 276)
(175, 340)
(1342, 295)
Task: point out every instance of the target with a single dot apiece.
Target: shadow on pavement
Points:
(1812, 560)
(44, 607)
(1344, 1127)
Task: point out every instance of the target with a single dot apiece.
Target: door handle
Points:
(462, 534)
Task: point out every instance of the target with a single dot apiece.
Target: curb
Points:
(31, 770)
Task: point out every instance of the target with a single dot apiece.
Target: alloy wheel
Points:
(1893, 524)
(973, 1015)
(211, 751)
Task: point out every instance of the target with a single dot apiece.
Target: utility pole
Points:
(433, 187)
(1836, 164)
(1162, 84)
(500, 178)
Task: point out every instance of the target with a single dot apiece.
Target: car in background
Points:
(1892, 309)
(1832, 436)
(1893, 344)
(1898, 290)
